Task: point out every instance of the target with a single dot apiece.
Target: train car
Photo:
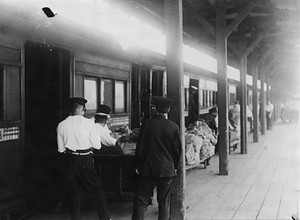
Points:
(42, 65)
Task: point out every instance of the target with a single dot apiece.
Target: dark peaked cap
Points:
(103, 110)
(213, 110)
(161, 102)
(78, 100)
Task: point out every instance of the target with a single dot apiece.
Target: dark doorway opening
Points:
(47, 88)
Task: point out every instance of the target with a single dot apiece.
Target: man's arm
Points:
(60, 142)
(95, 138)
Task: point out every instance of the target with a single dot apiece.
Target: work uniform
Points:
(104, 132)
(211, 119)
(76, 136)
(107, 141)
(269, 109)
(157, 158)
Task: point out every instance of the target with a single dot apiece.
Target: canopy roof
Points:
(272, 26)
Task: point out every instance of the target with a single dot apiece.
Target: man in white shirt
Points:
(107, 142)
(76, 136)
(269, 110)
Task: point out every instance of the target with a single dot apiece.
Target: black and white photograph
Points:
(149, 109)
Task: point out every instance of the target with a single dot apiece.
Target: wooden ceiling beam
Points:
(256, 41)
(239, 18)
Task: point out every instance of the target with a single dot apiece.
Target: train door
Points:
(141, 86)
(47, 88)
(11, 124)
(250, 98)
(158, 82)
(232, 95)
(146, 82)
(193, 100)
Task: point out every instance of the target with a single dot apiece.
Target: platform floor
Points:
(262, 184)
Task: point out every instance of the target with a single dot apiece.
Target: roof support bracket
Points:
(243, 13)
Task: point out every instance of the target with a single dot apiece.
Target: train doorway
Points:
(194, 100)
(146, 82)
(47, 88)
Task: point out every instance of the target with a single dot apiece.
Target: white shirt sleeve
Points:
(104, 133)
(95, 137)
(60, 141)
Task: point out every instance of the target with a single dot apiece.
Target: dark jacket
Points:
(158, 148)
(210, 121)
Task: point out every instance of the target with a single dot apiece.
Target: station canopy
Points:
(273, 24)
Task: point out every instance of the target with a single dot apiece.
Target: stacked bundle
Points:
(120, 132)
(126, 140)
(201, 130)
(193, 145)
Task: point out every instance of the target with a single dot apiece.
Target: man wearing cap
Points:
(76, 136)
(157, 155)
(210, 119)
(101, 117)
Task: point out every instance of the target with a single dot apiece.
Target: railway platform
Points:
(262, 184)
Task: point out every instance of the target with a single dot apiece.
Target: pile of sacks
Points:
(199, 142)
(126, 139)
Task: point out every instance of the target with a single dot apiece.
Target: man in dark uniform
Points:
(210, 119)
(76, 136)
(157, 154)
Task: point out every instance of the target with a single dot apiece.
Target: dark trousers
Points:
(81, 178)
(144, 193)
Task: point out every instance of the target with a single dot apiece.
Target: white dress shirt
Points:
(77, 133)
(269, 107)
(104, 133)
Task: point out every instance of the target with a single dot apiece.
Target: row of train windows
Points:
(207, 98)
(98, 90)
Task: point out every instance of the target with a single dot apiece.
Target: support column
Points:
(268, 94)
(263, 100)
(254, 70)
(221, 50)
(175, 88)
(243, 85)
(243, 104)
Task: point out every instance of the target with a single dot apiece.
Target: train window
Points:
(106, 94)
(214, 98)
(205, 94)
(209, 97)
(1, 93)
(186, 99)
(98, 90)
(10, 93)
(90, 93)
(231, 98)
(201, 98)
(120, 95)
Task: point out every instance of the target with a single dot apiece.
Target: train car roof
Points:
(30, 21)
(144, 56)
(156, 60)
